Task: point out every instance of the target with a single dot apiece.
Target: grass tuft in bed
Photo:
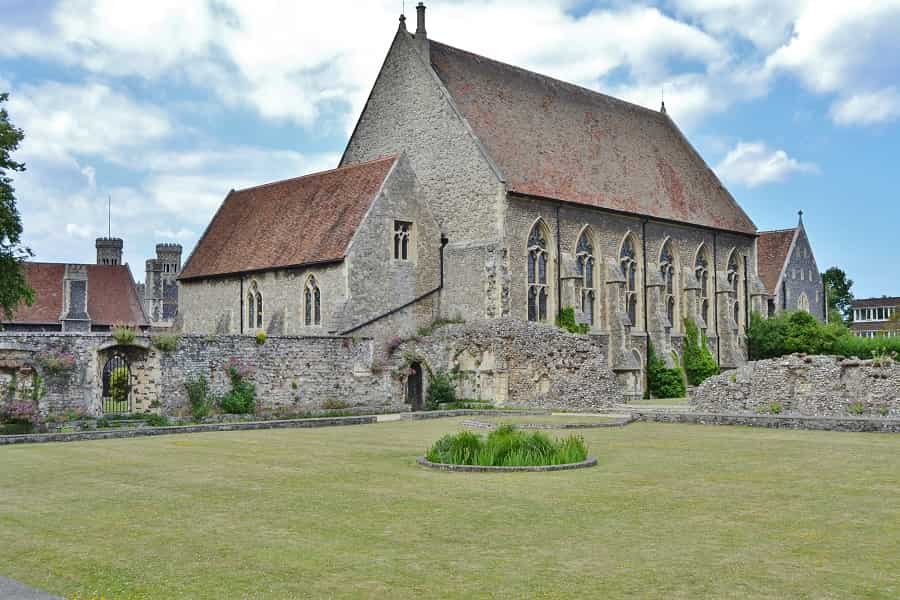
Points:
(507, 446)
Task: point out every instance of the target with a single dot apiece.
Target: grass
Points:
(672, 511)
(507, 446)
(545, 419)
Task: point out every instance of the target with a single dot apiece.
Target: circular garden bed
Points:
(506, 449)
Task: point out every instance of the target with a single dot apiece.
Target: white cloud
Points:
(867, 108)
(83, 232)
(753, 164)
(765, 23)
(842, 44)
(64, 120)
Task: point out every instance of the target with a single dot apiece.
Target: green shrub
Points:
(699, 364)
(155, 420)
(566, 320)
(166, 342)
(507, 446)
(799, 331)
(335, 405)
(198, 396)
(261, 338)
(663, 382)
(124, 335)
(774, 408)
(857, 408)
(440, 390)
(241, 400)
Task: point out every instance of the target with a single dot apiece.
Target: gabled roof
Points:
(772, 250)
(300, 221)
(112, 295)
(557, 140)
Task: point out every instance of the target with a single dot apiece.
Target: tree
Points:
(838, 294)
(14, 288)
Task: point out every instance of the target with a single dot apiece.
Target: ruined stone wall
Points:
(805, 385)
(516, 363)
(408, 110)
(291, 374)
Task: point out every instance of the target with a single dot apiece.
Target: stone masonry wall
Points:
(517, 363)
(805, 385)
(291, 374)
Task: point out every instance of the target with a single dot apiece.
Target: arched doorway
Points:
(414, 387)
(117, 383)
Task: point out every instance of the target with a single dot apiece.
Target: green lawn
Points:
(546, 419)
(672, 511)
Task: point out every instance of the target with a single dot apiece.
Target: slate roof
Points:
(300, 221)
(772, 249)
(112, 295)
(556, 140)
(875, 302)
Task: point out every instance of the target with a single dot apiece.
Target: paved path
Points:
(11, 590)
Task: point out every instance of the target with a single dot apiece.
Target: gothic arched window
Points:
(803, 302)
(629, 264)
(312, 301)
(734, 281)
(251, 305)
(538, 263)
(259, 309)
(701, 270)
(585, 263)
(667, 270)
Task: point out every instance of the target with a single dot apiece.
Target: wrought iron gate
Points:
(117, 385)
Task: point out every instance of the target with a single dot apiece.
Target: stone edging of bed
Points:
(475, 423)
(591, 461)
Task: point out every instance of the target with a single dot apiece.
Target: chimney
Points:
(75, 299)
(420, 21)
(421, 37)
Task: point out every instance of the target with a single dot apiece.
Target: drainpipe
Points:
(716, 296)
(746, 297)
(241, 304)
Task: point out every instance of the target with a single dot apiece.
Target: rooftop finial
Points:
(662, 95)
(402, 22)
(800, 212)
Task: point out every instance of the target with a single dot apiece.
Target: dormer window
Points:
(402, 233)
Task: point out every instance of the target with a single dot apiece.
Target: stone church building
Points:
(789, 271)
(475, 190)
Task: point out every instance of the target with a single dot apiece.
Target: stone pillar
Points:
(730, 354)
(621, 357)
(658, 326)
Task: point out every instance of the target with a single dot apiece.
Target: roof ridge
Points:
(779, 230)
(580, 88)
(391, 157)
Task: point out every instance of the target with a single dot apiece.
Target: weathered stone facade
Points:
(160, 289)
(368, 283)
(291, 374)
(511, 362)
(805, 385)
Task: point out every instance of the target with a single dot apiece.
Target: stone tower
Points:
(109, 251)
(161, 285)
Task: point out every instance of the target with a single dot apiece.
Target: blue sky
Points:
(166, 105)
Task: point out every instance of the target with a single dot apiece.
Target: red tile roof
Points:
(772, 249)
(557, 140)
(306, 220)
(112, 297)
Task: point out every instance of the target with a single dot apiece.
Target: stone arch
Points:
(144, 375)
(640, 375)
(630, 261)
(589, 286)
(540, 271)
(803, 302)
(254, 305)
